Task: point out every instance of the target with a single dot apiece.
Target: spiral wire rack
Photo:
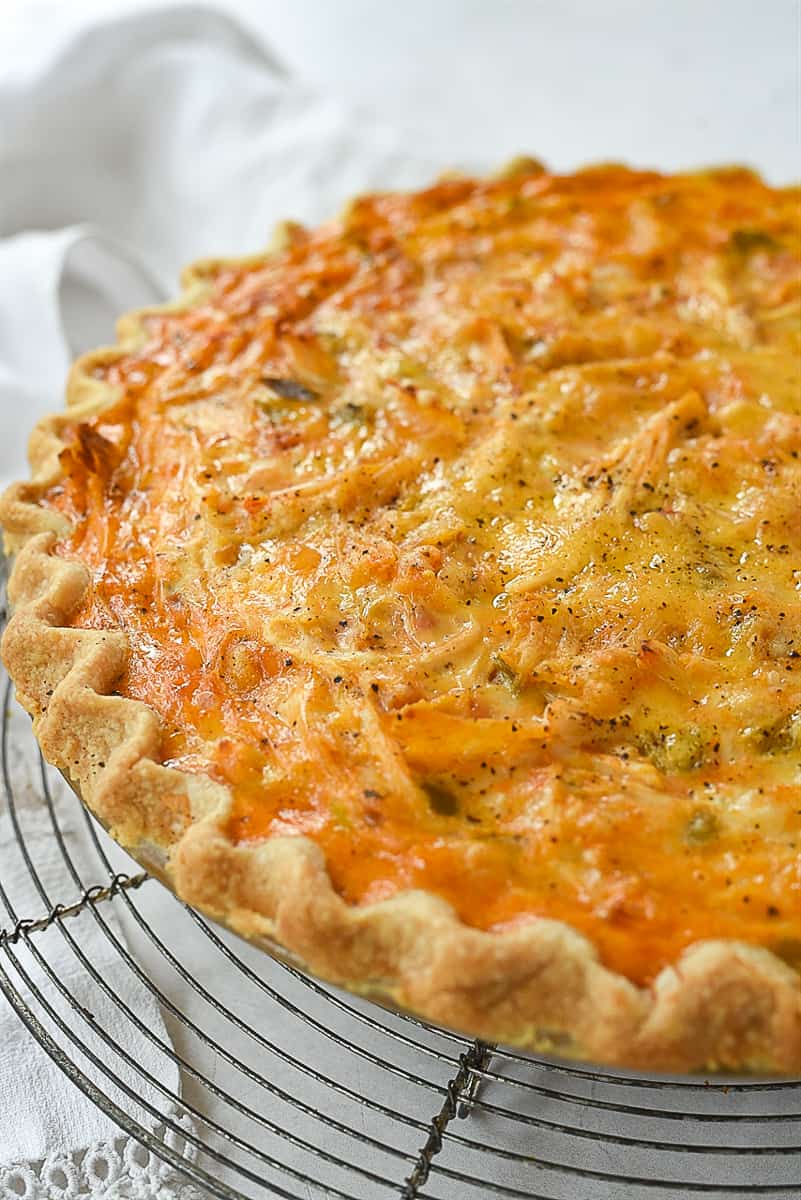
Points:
(274, 1085)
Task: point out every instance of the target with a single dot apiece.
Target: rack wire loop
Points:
(457, 1091)
(90, 896)
(475, 1079)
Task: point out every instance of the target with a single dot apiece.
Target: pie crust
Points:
(532, 981)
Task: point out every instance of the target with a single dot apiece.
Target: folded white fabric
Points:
(60, 293)
(126, 150)
(177, 133)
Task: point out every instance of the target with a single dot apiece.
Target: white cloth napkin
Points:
(125, 151)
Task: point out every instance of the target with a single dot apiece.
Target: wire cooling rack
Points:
(273, 1085)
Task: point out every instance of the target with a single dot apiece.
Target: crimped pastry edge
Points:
(722, 1006)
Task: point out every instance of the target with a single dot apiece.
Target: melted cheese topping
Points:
(463, 536)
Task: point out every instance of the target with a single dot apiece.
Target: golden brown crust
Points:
(724, 1005)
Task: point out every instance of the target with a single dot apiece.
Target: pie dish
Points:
(423, 596)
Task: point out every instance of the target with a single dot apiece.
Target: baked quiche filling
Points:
(463, 537)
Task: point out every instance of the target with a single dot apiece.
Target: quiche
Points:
(422, 598)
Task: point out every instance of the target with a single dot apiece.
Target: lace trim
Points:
(117, 1169)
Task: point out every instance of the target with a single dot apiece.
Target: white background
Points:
(663, 83)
